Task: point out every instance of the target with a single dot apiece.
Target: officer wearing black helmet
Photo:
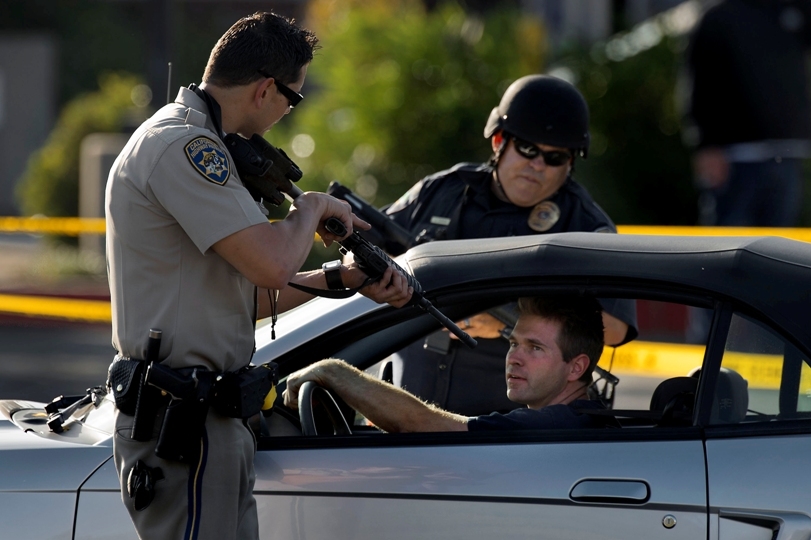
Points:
(536, 132)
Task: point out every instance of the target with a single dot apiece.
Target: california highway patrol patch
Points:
(209, 160)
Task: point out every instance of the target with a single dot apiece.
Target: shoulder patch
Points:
(209, 160)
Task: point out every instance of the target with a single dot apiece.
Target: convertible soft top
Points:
(771, 275)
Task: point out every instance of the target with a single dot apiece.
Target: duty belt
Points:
(143, 389)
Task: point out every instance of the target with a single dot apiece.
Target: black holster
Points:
(150, 400)
(182, 430)
(184, 421)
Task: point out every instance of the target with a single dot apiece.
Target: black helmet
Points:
(544, 110)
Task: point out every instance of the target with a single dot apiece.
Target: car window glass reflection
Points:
(763, 377)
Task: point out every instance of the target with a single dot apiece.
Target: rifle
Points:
(374, 262)
(395, 234)
(268, 173)
(390, 231)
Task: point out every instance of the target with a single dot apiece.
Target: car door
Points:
(641, 482)
(759, 437)
(608, 485)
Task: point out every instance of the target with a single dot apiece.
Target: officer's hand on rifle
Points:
(392, 288)
(326, 207)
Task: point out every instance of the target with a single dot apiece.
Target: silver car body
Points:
(707, 479)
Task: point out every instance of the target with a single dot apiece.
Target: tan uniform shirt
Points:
(171, 194)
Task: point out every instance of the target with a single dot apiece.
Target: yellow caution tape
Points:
(792, 233)
(665, 360)
(638, 358)
(75, 226)
(652, 359)
(69, 226)
(59, 308)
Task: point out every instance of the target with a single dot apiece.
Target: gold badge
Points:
(543, 216)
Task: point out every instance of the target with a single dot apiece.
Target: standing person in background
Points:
(749, 117)
(751, 111)
(191, 253)
(537, 130)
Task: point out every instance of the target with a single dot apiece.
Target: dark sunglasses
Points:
(553, 158)
(293, 97)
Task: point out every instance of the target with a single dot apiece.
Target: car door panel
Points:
(99, 510)
(474, 491)
(37, 515)
(746, 479)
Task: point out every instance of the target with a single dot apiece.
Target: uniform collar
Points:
(189, 98)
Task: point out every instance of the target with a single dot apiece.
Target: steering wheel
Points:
(319, 413)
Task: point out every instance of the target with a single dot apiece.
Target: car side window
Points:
(661, 352)
(763, 377)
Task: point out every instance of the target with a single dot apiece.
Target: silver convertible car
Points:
(712, 400)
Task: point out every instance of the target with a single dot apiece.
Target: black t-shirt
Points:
(551, 417)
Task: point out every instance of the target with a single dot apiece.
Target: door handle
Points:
(611, 491)
(789, 525)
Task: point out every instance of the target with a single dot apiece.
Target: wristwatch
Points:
(332, 271)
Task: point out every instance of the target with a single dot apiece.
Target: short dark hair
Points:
(581, 325)
(264, 42)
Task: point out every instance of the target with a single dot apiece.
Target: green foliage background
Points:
(50, 184)
(397, 92)
(638, 169)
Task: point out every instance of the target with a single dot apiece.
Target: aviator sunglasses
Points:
(293, 97)
(553, 158)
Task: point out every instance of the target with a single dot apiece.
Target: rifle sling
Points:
(329, 293)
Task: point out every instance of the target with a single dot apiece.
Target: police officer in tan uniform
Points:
(191, 253)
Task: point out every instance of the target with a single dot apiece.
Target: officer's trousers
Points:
(211, 499)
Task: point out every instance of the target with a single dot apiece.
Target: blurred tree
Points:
(92, 37)
(50, 182)
(397, 92)
(638, 168)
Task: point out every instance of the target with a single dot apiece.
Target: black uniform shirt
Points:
(458, 204)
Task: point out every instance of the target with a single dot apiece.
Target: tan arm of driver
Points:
(486, 326)
(389, 408)
(614, 330)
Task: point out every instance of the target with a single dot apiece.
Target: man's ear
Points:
(261, 91)
(578, 366)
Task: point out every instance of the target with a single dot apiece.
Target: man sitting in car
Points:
(554, 348)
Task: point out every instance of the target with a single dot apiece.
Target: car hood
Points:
(23, 426)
